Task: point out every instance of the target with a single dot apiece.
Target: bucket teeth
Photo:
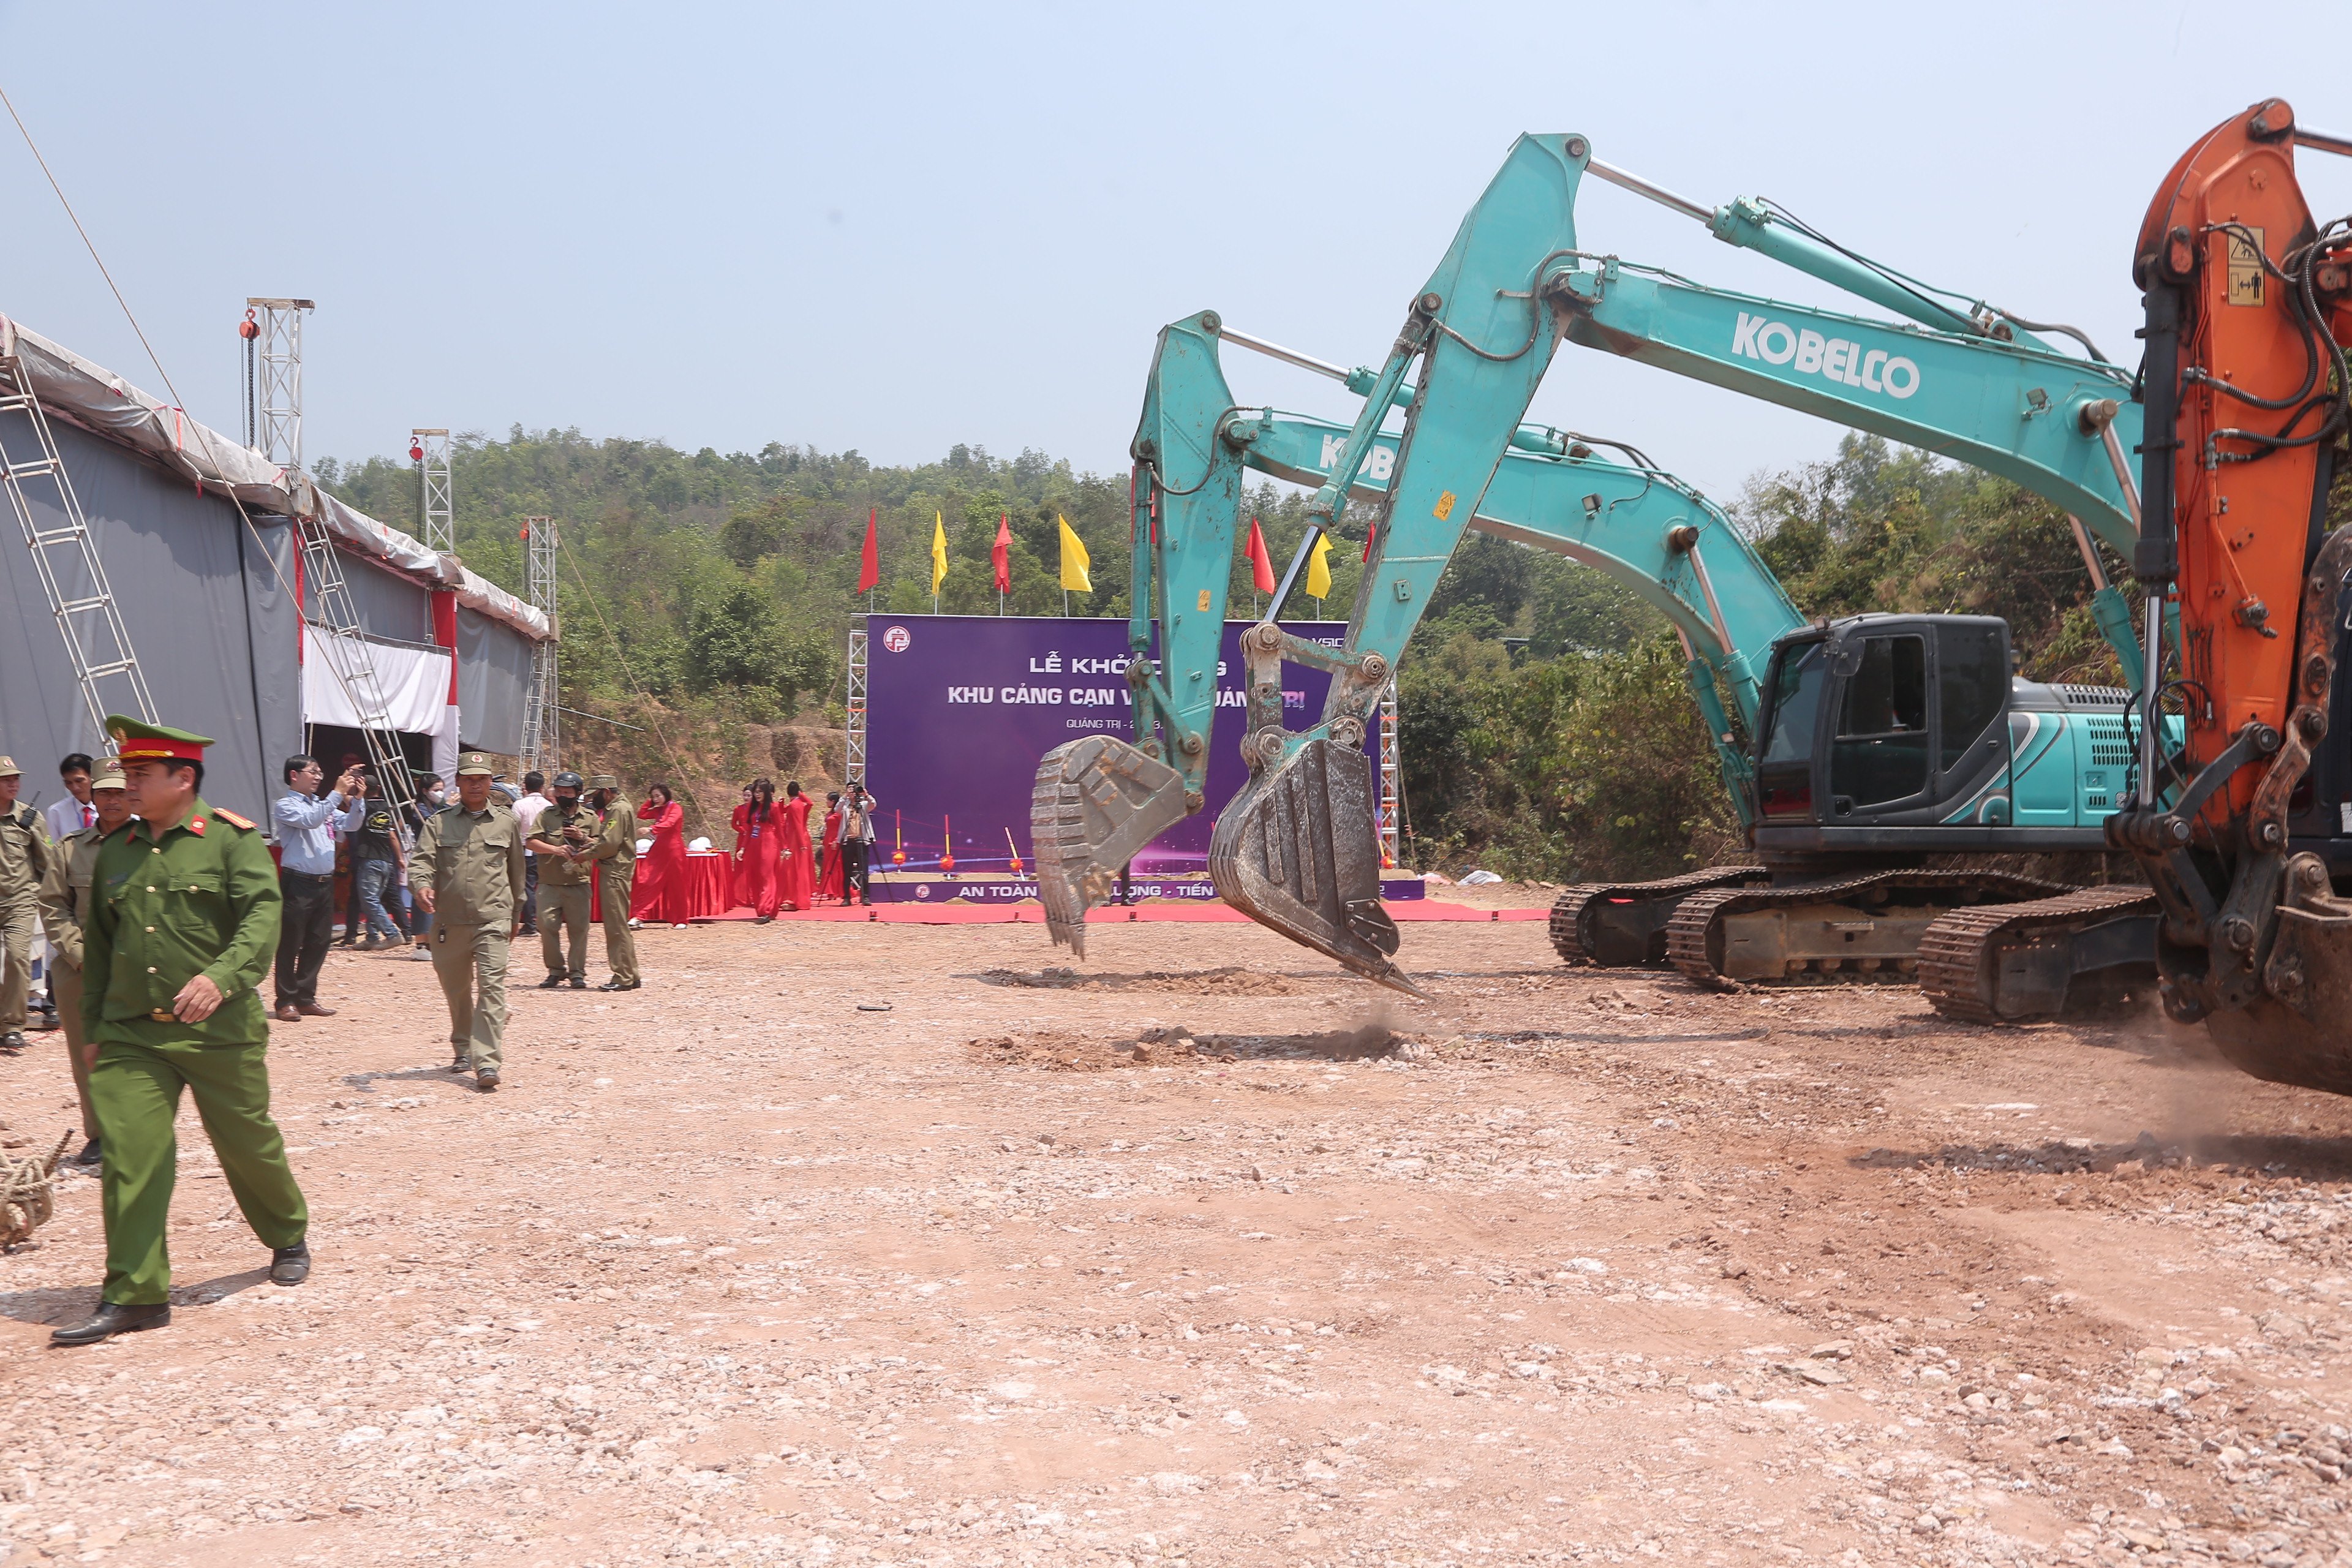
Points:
(1297, 853)
(1097, 802)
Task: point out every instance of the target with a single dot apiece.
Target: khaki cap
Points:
(475, 762)
(8, 768)
(110, 778)
(603, 781)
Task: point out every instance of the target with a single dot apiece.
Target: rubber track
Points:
(1954, 956)
(1689, 934)
(1568, 910)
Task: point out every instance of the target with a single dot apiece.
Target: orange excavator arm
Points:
(2249, 302)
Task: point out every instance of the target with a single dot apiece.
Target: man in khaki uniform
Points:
(65, 901)
(561, 837)
(467, 871)
(26, 853)
(615, 855)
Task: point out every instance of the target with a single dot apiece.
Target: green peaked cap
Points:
(136, 741)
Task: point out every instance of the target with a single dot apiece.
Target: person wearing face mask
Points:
(432, 796)
(561, 837)
(64, 901)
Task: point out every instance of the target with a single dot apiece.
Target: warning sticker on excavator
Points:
(2246, 264)
(1205, 598)
(1444, 506)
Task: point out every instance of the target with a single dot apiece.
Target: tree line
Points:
(1548, 731)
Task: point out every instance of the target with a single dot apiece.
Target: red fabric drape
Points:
(798, 875)
(661, 871)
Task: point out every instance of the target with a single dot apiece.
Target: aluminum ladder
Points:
(345, 649)
(65, 556)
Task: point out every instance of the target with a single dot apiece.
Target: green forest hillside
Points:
(1547, 730)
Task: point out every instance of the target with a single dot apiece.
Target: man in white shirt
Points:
(535, 799)
(75, 812)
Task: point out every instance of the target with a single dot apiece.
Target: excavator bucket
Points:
(1097, 802)
(2294, 1032)
(1296, 852)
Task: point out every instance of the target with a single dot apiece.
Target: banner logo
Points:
(1808, 351)
(896, 638)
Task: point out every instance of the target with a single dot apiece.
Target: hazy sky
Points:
(895, 228)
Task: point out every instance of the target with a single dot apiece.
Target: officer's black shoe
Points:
(578, 984)
(291, 1265)
(89, 1155)
(12, 1042)
(459, 1063)
(551, 982)
(618, 985)
(487, 1081)
(111, 1319)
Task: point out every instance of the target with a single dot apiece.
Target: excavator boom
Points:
(2249, 306)
(1967, 380)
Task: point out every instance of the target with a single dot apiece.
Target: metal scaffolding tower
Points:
(64, 555)
(853, 767)
(277, 350)
(278, 353)
(430, 451)
(540, 727)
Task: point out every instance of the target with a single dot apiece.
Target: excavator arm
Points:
(2248, 381)
(1098, 797)
(1294, 848)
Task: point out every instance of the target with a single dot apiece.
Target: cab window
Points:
(1880, 752)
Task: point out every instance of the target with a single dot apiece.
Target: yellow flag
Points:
(939, 553)
(1318, 569)
(1074, 558)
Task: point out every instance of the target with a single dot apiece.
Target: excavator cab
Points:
(1879, 721)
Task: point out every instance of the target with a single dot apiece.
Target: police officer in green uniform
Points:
(180, 927)
(467, 871)
(560, 841)
(615, 855)
(64, 899)
(25, 856)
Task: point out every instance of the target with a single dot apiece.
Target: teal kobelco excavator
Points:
(1897, 771)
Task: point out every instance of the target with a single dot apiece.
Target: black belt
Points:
(314, 875)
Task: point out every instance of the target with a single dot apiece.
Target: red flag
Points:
(869, 571)
(1002, 553)
(1261, 568)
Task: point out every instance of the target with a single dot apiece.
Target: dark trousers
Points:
(304, 933)
(853, 855)
(531, 892)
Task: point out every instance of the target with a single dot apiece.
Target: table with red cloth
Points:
(710, 885)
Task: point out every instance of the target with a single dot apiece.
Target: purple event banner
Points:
(960, 708)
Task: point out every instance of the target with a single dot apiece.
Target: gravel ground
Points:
(1201, 1252)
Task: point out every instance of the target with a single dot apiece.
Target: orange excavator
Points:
(2246, 836)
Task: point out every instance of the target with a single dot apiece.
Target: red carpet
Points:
(1203, 912)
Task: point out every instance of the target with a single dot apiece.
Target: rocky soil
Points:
(1201, 1254)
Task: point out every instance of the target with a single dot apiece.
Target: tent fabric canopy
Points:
(83, 393)
(414, 681)
(204, 600)
(493, 683)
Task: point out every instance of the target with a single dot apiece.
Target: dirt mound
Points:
(1232, 980)
(1059, 1051)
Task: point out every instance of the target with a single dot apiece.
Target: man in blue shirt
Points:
(307, 824)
